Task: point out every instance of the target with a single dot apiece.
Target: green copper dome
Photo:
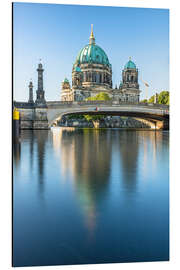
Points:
(78, 69)
(92, 53)
(130, 64)
(65, 80)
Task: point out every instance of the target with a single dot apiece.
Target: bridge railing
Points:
(54, 104)
(122, 103)
(59, 102)
(28, 105)
(95, 102)
(24, 105)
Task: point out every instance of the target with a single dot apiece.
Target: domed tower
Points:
(93, 70)
(129, 84)
(66, 92)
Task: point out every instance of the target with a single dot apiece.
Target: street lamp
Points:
(146, 87)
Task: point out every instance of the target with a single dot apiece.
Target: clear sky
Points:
(55, 33)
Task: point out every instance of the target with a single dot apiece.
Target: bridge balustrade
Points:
(90, 102)
(23, 105)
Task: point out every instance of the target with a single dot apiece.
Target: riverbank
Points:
(104, 122)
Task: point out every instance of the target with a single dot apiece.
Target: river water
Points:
(90, 196)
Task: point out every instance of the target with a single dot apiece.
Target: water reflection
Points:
(129, 150)
(17, 153)
(41, 139)
(63, 145)
(35, 143)
(152, 144)
(87, 153)
(31, 148)
(102, 191)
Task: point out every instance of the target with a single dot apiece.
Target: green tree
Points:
(163, 97)
(101, 96)
(144, 101)
(152, 99)
(96, 118)
(75, 116)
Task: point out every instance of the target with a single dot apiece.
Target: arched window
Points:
(93, 79)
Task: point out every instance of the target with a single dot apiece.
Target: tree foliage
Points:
(101, 96)
(144, 101)
(162, 98)
(152, 99)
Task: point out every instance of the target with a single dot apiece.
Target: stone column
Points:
(31, 93)
(40, 92)
(97, 77)
(90, 76)
(103, 77)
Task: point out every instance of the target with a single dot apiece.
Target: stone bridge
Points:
(156, 115)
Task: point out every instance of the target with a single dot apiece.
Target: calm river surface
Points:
(90, 196)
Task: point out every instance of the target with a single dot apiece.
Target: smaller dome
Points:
(130, 65)
(77, 69)
(65, 80)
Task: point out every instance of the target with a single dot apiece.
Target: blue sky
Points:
(56, 33)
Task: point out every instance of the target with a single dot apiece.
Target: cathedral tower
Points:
(66, 93)
(129, 84)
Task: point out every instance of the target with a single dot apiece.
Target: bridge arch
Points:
(157, 116)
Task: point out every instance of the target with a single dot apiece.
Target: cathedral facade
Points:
(92, 74)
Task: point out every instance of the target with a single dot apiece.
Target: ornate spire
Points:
(129, 58)
(92, 38)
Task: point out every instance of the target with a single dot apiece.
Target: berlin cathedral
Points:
(92, 74)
